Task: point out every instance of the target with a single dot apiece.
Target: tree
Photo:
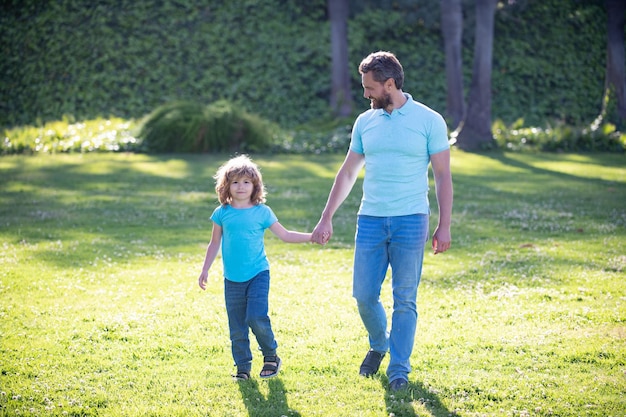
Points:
(476, 128)
(615, 72)
(340, 96)
(452, 30)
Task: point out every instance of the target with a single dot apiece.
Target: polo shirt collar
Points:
(402, 110)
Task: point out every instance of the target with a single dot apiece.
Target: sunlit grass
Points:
(100, 314)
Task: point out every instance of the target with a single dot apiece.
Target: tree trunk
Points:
(476, 130)
(340, 96)
(615, 85)
(452, 31)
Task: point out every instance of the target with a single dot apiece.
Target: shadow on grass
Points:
(258, 406)
(137, 205)
(404, 402)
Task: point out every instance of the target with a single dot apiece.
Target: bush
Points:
(67, 136)
(599, 137)
(308, 141)
(184, 126)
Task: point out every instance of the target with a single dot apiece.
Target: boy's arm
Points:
(289, 236)
(211, 254)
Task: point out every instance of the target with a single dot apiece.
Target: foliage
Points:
(101, 314)
(599, 137)
(220, 127)
(192, 127)
(67, 135)
(123, 58)
(126, 58)
(551, 66)
(316, 138)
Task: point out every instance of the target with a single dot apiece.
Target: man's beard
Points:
(382, 102)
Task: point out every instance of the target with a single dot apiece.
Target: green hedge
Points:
(552, 65)
(124, 58)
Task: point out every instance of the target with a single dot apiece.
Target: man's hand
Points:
(322, 232)
(441, 240)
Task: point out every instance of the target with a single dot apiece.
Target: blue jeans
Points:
(398, 242)
(247, 308)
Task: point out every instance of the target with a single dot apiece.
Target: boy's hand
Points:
(322, 233)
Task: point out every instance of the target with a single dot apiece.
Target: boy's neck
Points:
(241, 205)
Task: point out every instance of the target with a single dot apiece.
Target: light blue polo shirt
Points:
(397, 149)
(243, 248)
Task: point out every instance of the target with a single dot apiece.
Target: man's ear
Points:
(390, 84)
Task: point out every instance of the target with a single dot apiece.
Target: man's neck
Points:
(398, 99)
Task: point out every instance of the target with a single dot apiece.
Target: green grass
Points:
(100, 313)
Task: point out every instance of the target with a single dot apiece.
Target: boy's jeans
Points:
(398, 242)
(247, 307)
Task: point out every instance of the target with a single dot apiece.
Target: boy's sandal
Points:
(271, 365)
(242, 375)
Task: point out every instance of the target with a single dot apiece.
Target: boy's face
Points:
(241, 190)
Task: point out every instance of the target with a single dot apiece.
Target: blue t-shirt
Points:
(397, 149)
(243, 248)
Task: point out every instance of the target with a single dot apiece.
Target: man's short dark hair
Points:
(383, 65)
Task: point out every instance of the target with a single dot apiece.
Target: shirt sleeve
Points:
(270, 217)
(216, 217)
(356, 143)
(438, 138)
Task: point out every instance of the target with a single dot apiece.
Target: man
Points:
(395, 141)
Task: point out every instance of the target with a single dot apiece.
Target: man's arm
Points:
(443, 188)
(344, 181)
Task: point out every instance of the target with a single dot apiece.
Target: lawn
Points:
(101, 315)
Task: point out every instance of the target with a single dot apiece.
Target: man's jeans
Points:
(398, 242)
(247, 307)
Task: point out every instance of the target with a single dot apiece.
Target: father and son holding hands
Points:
(395, 141)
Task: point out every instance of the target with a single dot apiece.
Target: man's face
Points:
(375, 92)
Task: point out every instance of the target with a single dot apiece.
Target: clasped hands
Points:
(322, 233)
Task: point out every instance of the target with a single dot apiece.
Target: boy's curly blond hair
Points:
(239, 167)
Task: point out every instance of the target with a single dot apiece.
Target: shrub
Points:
(184, 126)
(311, 141)
(67, 136)
(599, 137)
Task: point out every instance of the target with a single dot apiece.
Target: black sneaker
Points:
(371, 363)
(398, 385)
